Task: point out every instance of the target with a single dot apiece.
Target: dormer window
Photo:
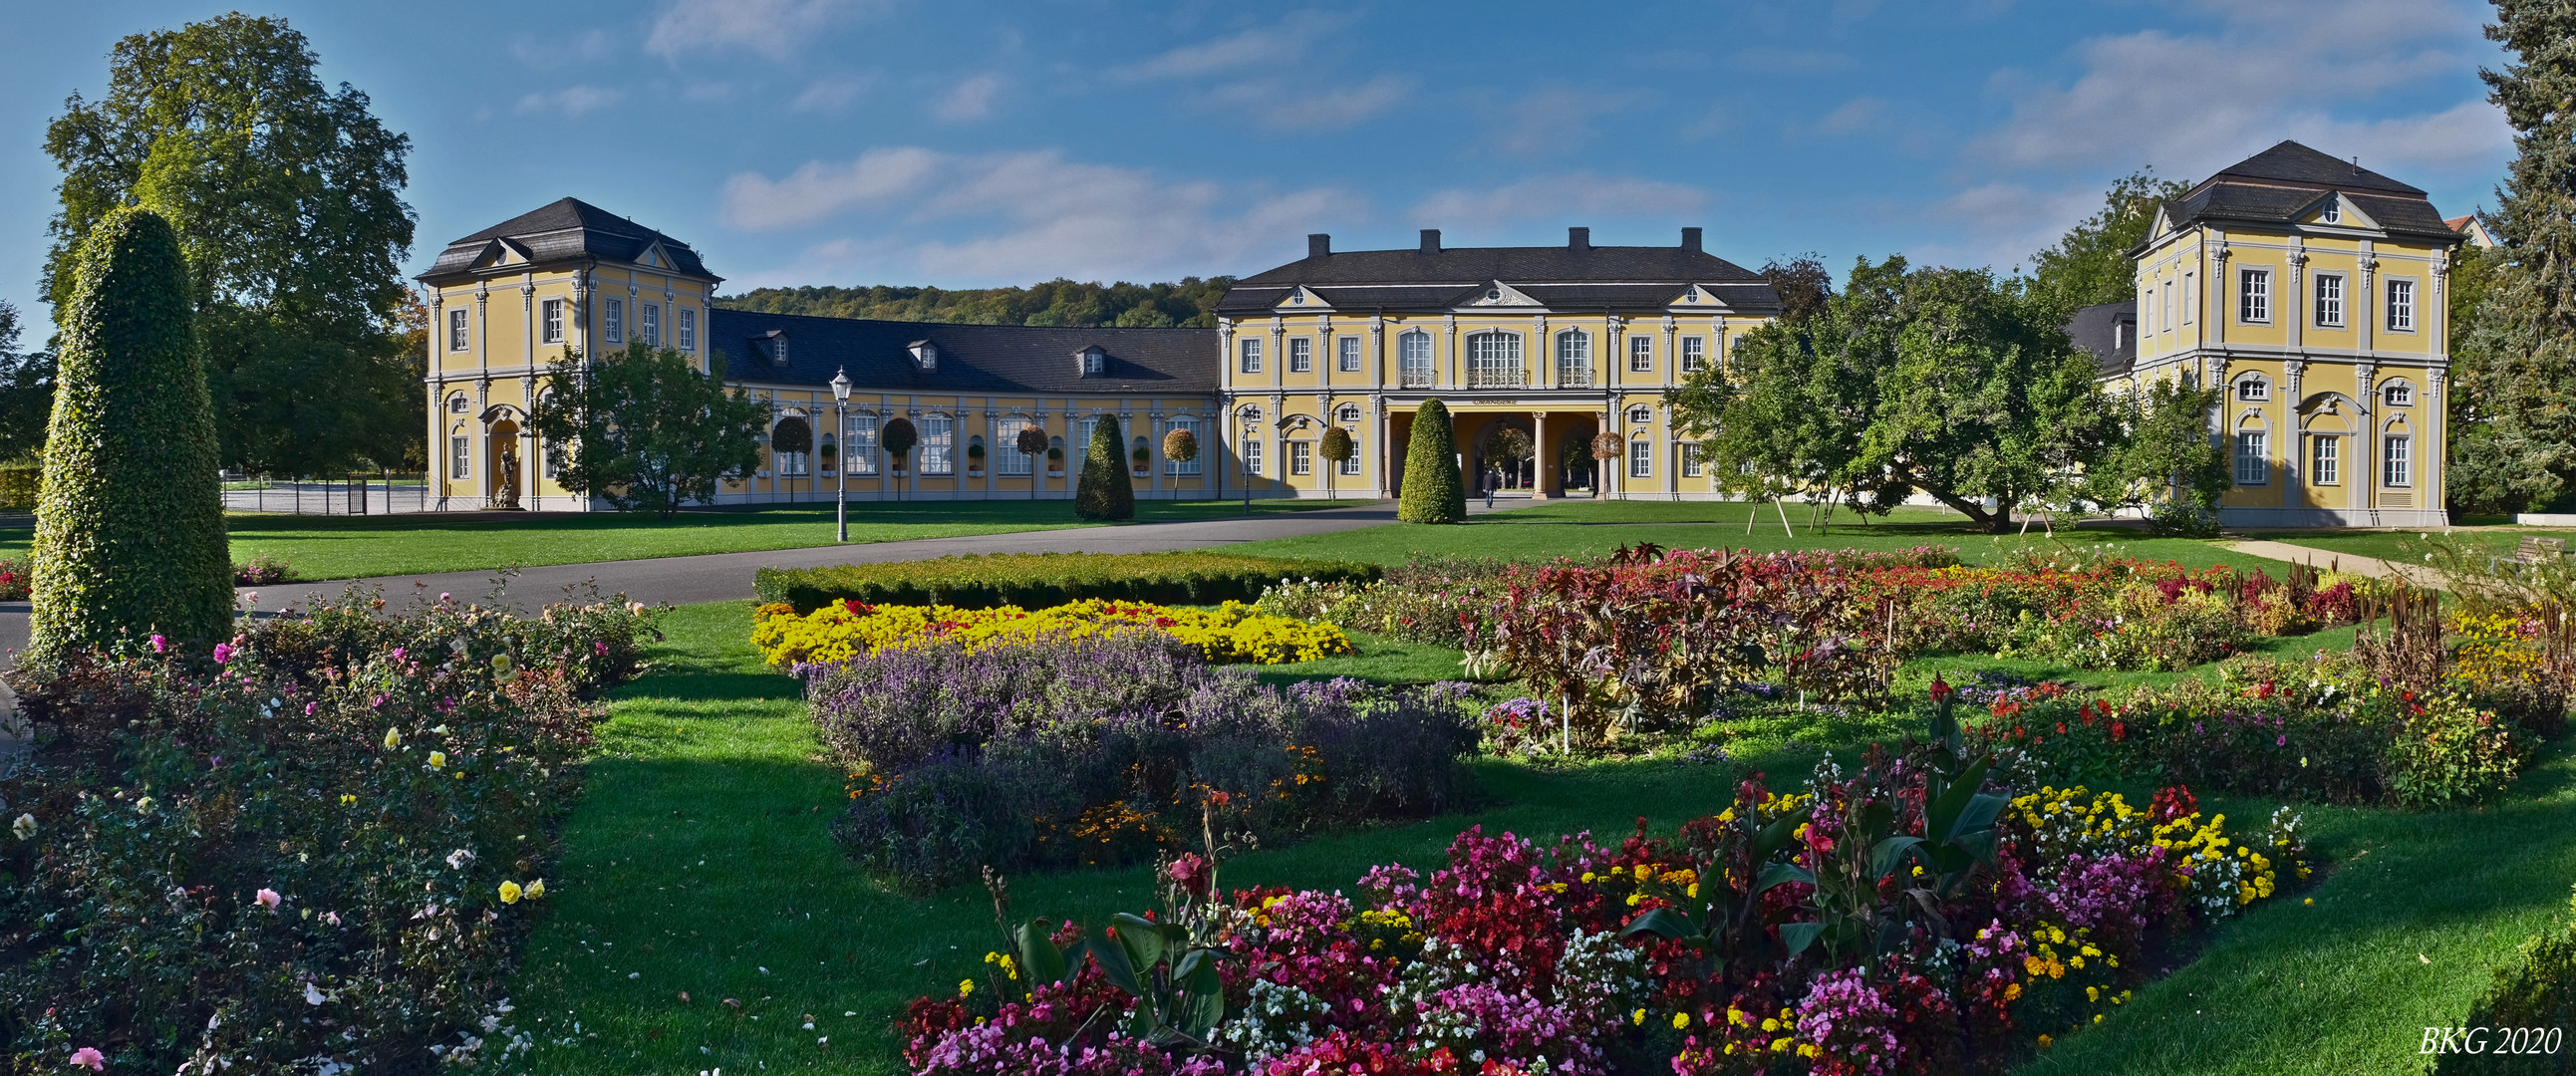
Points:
(771, 344)
(1298, 297)
(1690, 294)
(925, 355)
(2333, 213)
(1093, 361)
(1493, 294)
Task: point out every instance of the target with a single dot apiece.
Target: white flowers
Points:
(312, 995)
(24, 827)
(457, 859)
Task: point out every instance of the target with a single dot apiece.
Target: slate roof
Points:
(566, 230)
(2280, 184)
(973, 359)
(1585, 277)
(2110, 332)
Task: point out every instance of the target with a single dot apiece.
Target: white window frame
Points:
(859, 444)
(1574, 358)
(2401, 304)
(1641, 415)
(460, 456)
(2333, 211)
(2397, 394)
(459, 335)
(2397, 461)
(1301, 457)
(2325, 459)
(1694, 354)
(612, 313)
(2147, 313)
(1301, 355)
(1357, 463)
(2190, 289)
(2254, 296)
(938, 451)
(1494, 360)
(1691, 464)
(1641, 459)
(1252, 458)
(1416, 364)
(552, 313)
(2329, 294)
(2253, 458)
(688, 328)
(2166, 317)
(1249, 348)
(2253, 389)
(1641, 354)
(457, 404)
(652, 324)
(1347, 354)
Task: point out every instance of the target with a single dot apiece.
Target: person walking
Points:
(1493, 478)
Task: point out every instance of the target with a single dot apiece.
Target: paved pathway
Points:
(2356, 564)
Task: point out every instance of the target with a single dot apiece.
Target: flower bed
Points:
(1443, 601)
(1232, 632)
(1039, 579)
(314, 849)
(1907, 918)
(1100, 749)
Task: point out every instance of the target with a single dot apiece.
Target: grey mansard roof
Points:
(2282, 184)
(2110, 332)
(567, 230)
(974, 359)
(1562, 278)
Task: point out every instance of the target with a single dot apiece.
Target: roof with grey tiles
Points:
(971, 358)
(568, 229)
(2282, 184)
(1576, 276)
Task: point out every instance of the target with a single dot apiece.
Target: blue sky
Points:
(965, 143)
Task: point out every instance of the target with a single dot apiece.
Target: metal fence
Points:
(353, 496)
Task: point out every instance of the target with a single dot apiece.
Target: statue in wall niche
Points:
(509, 498)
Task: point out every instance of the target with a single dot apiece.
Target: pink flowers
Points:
(267, 898)
(1191, 873)
(89, 1056)
(160, 644)
(223, 652)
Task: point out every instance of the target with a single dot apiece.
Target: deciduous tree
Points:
(644, 430)
(2090, 264)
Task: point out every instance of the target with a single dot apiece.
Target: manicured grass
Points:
(701, 854)
(2408, 545)
(1381, 658)
(346, 547)
(1591, 527)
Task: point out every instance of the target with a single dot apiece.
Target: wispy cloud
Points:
(1277, 106)
(1268, 75)
(1257, 47)
(1558, 117)
(1560, 196)
(831, 93)
(770, 27)
(969, 100)
(1854, 116)
(571, 101)
(819, 191)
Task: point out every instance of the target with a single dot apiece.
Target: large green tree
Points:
(2166, 461)
(2090, 264)
(130, 528)
(644, 430)
(286, 196)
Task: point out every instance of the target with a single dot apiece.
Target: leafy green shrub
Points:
(1433, 490)
(130, 530)
(262, 570)
(316, 846)
(2534, 994)
(20, 485)
(1103, 492)
(1038, 580)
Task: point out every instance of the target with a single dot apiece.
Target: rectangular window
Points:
(612, 315)
(2167, 319)
(1301, 457)
(460, 457)
(1690, 460)
(688, 329)
(553, 313)
(2325, 460)
(1415, 359)
(790, 464)
(938, 440)
(2147, 312)
(1251, 355)
(652, 324)
(2330, 300)
(2254, 296)
(1351, 466)
(456, 329)
(1175, 467)
(1301, 355)
(863, 444)
(2393, 458)
(1641, 354)
(2401, 306)
(1574, 359)
(1694, 353)
(1350, 354)
(2189, 292)
(1252, 458)
(1641, 459)
(2253, 463)
(2253, 390)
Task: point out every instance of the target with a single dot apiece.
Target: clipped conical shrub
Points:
(1433, 490)
(1102, 490)
(130, 529)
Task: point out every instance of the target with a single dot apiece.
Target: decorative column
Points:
(1384, 423)
(2293, 300)
(2295, 438)
(1449, 331)
(1154, 461)
(2434, 444)
(1614, 339)
(1377, 350)
(992, 452)
(1278, 357)
(1326, 356)
(1672, 361)
(2365, 485)
(1542, 464)
(2214, 322)
(1542, 353)
(912, 459)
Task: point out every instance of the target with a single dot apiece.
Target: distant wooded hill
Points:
(1191, 303)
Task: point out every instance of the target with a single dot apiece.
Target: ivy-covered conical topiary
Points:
(130, 529)
(1433, 490)
(1102, 491)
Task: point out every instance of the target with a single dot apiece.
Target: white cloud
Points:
(1558, 196)
(571, 100)
(1028, 216)
(1554, 118)
(770, 27)
(831, 93)
(1275, 106)
(554, 51)
(970, 100)
(1254, 48)
(1856, 115)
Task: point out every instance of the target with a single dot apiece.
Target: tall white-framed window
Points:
(2254, 296)
(1088, 427)
(2190, 290)
(1691, 467)
(1349, 357)
(1494, 360)
(1301, 457)
(688, 329)
(2253, 458)
(652, 325)
(456, 339)
(2325, 459)
(1574, 358)
(460, 456)
(2396, 457)
(2147, 313)
(1641, 354)
(862, 439)
(1301, 355)
(551, 313)
(1252, 457)
(1354, 465)
(2330, 300)
(2167, 319)
(2254, 389)
(1177, 468)
(1250, 348)
(1413, 359)
(938, 444)
(1694, 353)
(612, 320)
(1641, 459)
(1008, 460)
(2401, 305)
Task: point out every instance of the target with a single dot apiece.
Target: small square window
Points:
(2398, 394)
(1641, 415)
(2254, 390)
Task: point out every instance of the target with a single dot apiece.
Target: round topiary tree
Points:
(1607, 447)
(1102, 491)
(1433, 490)
(897, 439)
(130, 526)
(1181, 446)
(1336, 448)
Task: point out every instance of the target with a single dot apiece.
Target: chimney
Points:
(1578, 238)
(1319, 245)
(1690, 240)
(1431, 240)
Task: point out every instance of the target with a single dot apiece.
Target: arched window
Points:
(1010, 461)
(1414, 352)
(789, 442)
(1494, 360)
(2253, 449)
(1574, 358)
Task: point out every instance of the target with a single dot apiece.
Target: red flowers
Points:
(1190, 872)
(1941, 689)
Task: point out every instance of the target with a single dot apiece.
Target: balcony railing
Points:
(1509, 377)
(1419, 379)
(1574, 377)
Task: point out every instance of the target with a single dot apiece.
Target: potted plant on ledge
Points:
(1055, 462)
(975, 460)
(829, 456)
(1144, 462)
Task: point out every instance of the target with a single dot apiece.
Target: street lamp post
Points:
(841, 465)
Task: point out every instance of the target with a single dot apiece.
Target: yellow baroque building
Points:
(506, 301)
(1557, 343)
(2314, 291)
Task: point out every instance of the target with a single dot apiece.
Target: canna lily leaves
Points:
(1798, 936)
(1040, 960)
(1781, 874)
(1664, 923)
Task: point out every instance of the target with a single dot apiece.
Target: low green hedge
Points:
(1034, 580)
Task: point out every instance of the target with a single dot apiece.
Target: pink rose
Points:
(267, 898)
(159, 644)
(223, 653)
(89, 1055)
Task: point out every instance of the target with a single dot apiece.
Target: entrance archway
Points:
(1569, 452)
(504, 484)
(1518, 474)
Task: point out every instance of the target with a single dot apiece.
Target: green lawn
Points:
(347, 547)
(700, 855)
(2395, 545)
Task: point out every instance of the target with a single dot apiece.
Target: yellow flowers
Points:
(393, 739)
(1639, 1019)
(1680, 1020)
(1233, 632)
(537, 889)
(1010, 968)
(348, 800)
(510, 892)
(513, 892)
(437, 760)
(965, 988)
